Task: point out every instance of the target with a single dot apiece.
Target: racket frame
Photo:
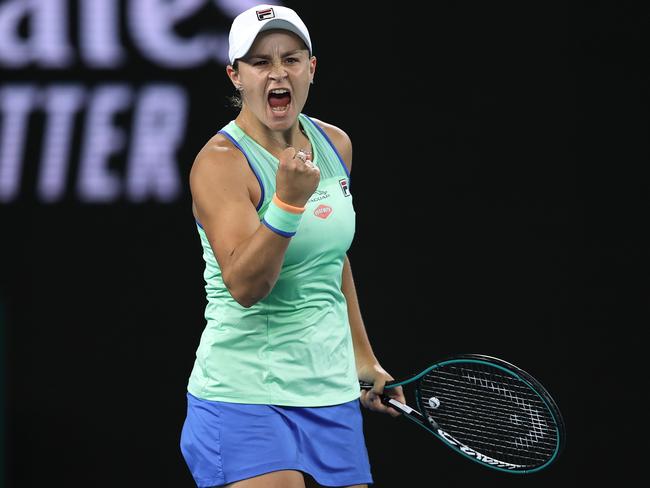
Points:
(430, 425)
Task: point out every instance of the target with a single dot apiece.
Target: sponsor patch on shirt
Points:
(323, 211)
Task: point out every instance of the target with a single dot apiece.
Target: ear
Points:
(233, 74)
(312, 68)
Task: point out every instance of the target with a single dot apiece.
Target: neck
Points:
(272, 140)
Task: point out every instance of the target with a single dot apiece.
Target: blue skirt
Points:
(224, 442)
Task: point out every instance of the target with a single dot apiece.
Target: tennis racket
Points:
(486, 409)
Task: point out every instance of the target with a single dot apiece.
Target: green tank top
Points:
(294, 347)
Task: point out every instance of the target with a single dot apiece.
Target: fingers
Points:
(371, 399)
(378, 386)
(398, 395)
(374, 403)
(305, 157)
(297, 177)
(373, 396)
(302, 155)
(299, 160)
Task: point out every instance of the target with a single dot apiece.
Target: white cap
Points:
(251, 22)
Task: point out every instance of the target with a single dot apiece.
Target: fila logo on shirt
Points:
(344, 187)
(265, 14)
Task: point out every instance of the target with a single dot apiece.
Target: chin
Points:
(281, 121)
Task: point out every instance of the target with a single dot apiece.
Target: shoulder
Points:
(218, 158)
(339, 138)
(219, 170)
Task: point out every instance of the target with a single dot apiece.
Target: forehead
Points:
(272, 40)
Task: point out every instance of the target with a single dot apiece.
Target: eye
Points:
(260, 62)
(291, 60)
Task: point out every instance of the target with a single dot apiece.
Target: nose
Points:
(277, 72)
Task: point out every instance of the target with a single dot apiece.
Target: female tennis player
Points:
(273, 397)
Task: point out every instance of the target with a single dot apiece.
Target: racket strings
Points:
(472, 423)
(530, 424)
(490, 412)
(473, 396)
(477, 431)
(470, 405)
(465, 431)
(471, 427)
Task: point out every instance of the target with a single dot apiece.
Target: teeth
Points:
(279, 91)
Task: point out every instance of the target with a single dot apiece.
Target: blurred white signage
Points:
(81, 118)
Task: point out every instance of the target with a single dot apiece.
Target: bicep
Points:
(223, 205)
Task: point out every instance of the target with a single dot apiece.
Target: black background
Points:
(500, 208)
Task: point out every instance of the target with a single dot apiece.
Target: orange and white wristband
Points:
(282, 218)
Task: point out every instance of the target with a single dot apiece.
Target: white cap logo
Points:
(265, 14)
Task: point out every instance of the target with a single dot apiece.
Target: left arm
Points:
(368, 367)
(363, 353)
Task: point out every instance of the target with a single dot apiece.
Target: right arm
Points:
(249, 254)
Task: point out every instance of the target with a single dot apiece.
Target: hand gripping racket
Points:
(486, 409)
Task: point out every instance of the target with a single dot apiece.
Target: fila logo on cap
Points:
(267, 13)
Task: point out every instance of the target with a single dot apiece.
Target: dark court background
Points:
(500, 210)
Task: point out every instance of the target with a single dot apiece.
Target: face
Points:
(275, 76)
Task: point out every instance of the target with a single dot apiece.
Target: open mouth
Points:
(279, 100)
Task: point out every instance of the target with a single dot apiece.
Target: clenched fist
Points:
(297, 177)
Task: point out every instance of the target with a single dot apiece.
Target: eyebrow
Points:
(283, 55)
